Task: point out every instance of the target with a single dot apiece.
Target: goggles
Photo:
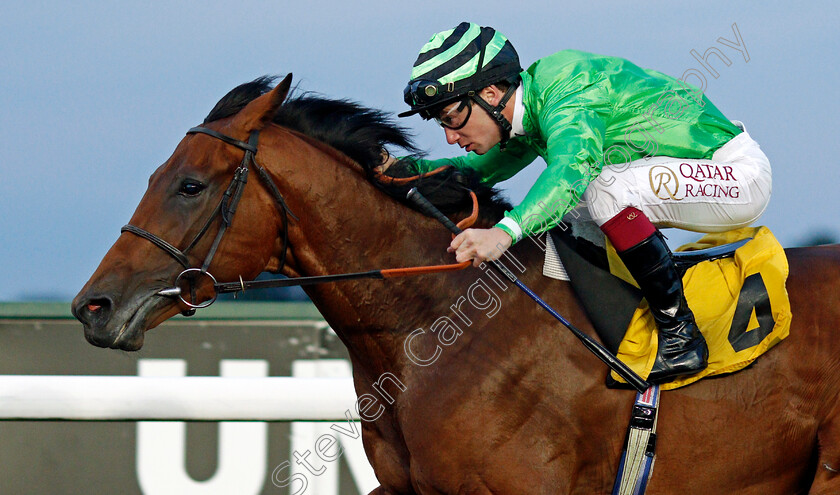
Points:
(457, 117)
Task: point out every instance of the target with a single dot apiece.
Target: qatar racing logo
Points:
(664, 182)
(695, 181)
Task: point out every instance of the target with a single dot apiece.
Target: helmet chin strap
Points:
(496, 113)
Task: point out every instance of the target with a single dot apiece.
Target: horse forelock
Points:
(362, 134)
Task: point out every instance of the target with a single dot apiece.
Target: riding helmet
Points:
(457, 63)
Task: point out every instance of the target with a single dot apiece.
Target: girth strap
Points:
(637, 458)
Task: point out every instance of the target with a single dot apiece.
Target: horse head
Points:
(314, 156)
(175, 227)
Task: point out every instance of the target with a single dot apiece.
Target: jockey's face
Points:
(469, 126)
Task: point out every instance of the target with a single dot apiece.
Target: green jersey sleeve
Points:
(492, 167)
(573, 128)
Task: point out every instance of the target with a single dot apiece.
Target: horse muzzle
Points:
(107, 325)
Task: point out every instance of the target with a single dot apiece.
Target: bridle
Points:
(226, 210)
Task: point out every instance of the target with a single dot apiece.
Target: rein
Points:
(242, 286)
(226, 210)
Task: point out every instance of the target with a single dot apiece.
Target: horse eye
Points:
(191, 188)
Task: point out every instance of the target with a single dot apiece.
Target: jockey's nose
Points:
(451, 136)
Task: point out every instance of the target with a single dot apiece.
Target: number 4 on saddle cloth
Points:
(734, 283)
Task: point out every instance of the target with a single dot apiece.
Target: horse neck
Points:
(347, 225)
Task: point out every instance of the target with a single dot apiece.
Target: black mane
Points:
(362, 133)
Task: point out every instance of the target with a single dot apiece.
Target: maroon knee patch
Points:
(628, 228)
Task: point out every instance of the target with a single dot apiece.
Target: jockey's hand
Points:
(480, 245)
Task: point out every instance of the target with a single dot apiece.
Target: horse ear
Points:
(259, 112)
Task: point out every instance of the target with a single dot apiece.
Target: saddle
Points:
(735, 285)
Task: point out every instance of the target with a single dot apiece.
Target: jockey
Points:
(638, 148)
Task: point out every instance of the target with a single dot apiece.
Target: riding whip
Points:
(600, 351)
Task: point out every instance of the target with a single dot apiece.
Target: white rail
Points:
(192, 398)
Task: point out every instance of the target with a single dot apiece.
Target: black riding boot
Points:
(682, 349)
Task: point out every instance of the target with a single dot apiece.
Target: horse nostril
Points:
(93, 311)
(97, 304)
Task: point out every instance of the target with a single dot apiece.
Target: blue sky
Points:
(95, 95)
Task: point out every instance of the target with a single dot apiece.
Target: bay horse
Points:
(476, 389)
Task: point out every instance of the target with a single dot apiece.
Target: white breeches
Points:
(729, 191)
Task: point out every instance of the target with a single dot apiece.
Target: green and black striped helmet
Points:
(457, 63)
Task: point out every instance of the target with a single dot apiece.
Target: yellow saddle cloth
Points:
(740, 304)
